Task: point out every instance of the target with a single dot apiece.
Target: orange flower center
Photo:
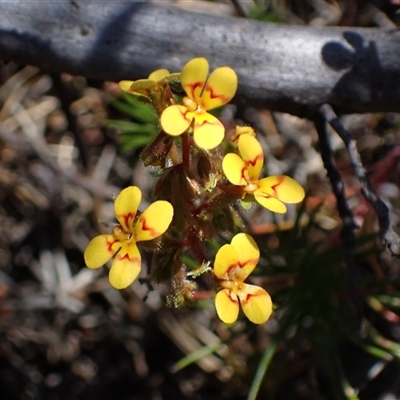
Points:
(190, 104)
(120, 234)
(234, 283)
(233, 286)
(250, 188)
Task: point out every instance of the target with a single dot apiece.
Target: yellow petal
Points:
(252, 154)
(227, 306)
(194, 76)
(271, 203)
(126, 266)
(234, 169)
(154, 221)
(219, 89)
(176, 119)
(225, 260)
(126, 205)
(283, 188)
(125, 85)
(208, 131)
(158, 74)
(100, 250)
(247, 252)
(242, 130)
(256, 303)
(141, 87)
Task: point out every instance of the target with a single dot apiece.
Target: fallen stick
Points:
(284, 68)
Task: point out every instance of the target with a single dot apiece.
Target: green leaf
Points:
(132, 127)
(246, 203)
(136, 109)
(262, 369)
(196, 356)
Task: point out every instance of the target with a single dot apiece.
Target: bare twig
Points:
(347, 232)
(388, 235)
(280, 67)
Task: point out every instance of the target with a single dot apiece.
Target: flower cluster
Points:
(204, 171)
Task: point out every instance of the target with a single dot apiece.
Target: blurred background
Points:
(68, 145)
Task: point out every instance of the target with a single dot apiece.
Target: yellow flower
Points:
(242, 130)
(233, 264)
(203, 93)
(141, 87)
(121, 244)
(244, 170)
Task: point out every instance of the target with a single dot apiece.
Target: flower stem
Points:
(231, 189)
(186, 150)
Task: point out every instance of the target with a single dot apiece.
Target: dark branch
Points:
(335, 179)
(285, 68)
(347, 232)
(388, 235)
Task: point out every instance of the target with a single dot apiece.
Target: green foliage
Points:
(261, 14)
(144, 125)
(318, 312)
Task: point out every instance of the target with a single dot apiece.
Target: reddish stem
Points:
(186, 150)
(231, 189)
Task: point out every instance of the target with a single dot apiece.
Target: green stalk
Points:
(262, 370)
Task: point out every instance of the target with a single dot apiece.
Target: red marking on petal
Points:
(152, 231)
(233, 274)
(205, 122)
(184, 115)
(127, 257)
(253, 261)
(110, 245)
(254, 162)
(250, 295)
(280, 179)
(129, 217)
(232, 300)
(243, 173)
(193, 87)
(239, 265)
(266, 195)
(231, 268)
(275, 195)
(127, 220)
(209, 89)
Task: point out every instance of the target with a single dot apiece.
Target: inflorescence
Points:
(203, 176)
